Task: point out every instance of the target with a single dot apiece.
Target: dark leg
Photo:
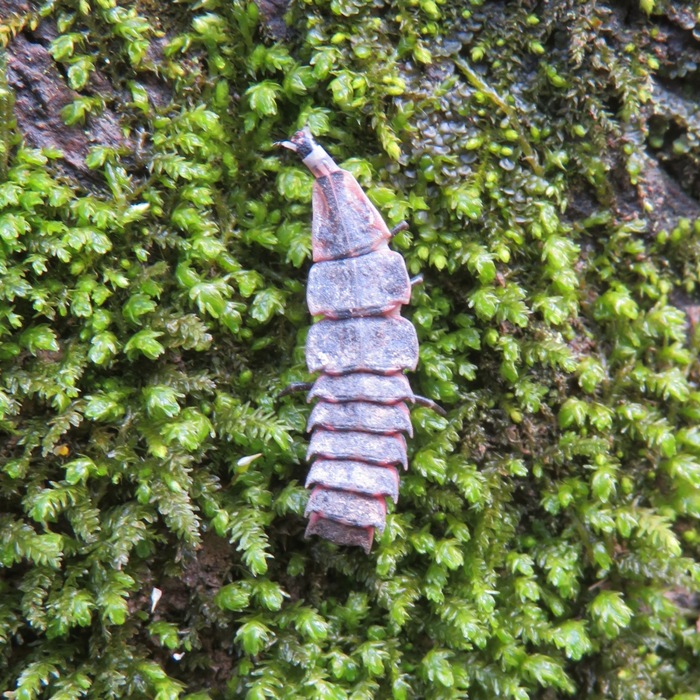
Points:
(399, 227)
(295, 386)
(429, 403)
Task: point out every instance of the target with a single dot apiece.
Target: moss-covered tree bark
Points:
(153, 254)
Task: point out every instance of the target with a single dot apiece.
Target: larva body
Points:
(361, 347)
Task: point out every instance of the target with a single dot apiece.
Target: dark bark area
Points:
(41, 94)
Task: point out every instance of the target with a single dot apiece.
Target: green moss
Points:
(546, 540)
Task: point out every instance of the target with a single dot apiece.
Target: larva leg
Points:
(294, 387)
(403, 226)
(429, 403)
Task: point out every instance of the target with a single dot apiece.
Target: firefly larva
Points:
(361, 346)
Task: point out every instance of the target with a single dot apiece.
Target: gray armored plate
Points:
(361, 415)
(340, 533)
(363, 447)
(369, 285)
(354, 476)
(362, 386)
(347, 507)
(345, 223)
(377, 344)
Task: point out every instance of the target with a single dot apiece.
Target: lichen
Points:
(153, 255)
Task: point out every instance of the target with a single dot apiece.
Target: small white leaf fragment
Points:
(156, 595)
(246, 461)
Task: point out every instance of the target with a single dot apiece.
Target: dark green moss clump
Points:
(153, 253)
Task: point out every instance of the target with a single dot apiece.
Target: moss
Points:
(152, 308)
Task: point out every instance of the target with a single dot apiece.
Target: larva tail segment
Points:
(348, 507)
(340, 533)
(361, 347)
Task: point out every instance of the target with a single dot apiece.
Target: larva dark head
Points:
(302, 143)
(311, 154)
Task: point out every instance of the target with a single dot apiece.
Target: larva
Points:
(361, 347)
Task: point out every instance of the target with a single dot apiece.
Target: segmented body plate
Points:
(361, 415)
(345, 223)
(351, 444)
(351, 475)
(372, 284)
(348, 507)
(362, 386)
(381, 344)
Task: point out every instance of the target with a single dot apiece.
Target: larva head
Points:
(301, 143)
(312, 155)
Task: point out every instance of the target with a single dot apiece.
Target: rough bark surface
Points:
(41, 94)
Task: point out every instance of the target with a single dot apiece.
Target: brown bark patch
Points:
(272, 12)
(40, 95)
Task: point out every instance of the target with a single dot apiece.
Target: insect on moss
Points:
(361, 347)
